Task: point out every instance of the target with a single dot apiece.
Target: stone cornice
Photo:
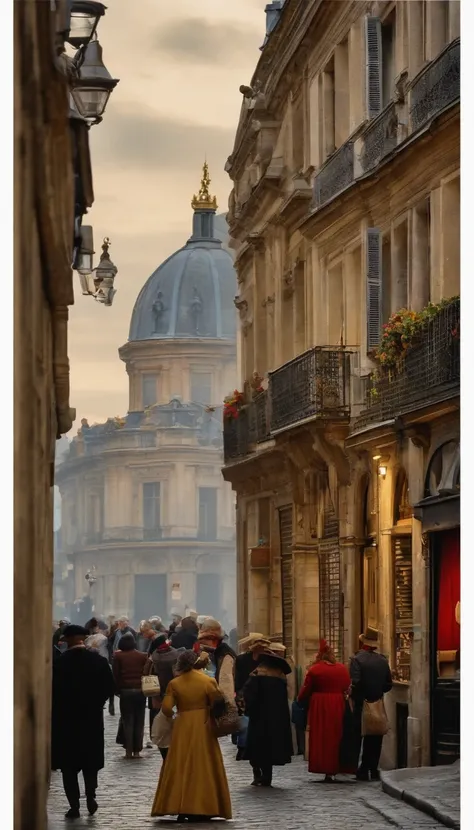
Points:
(166, 348)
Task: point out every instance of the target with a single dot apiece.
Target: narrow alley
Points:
(297, 801)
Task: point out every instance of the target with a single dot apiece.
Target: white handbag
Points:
(161, 731)
(150, 685)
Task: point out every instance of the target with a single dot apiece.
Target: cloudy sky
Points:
(180, 67)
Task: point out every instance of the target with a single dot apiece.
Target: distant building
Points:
(144, 506)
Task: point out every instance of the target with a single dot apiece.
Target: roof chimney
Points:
(272, 12)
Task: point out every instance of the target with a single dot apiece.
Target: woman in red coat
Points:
(326, 688)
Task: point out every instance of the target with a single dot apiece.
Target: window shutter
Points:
(373, 66)
(374, 287)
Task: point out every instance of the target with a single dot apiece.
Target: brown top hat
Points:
(370, 638)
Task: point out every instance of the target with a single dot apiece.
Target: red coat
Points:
(324, 688)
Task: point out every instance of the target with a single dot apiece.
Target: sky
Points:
(180, 66)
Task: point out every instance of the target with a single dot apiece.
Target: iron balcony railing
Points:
(336, 174)
(378, 139)
(437, 86)
(427, 375)
(313, 385)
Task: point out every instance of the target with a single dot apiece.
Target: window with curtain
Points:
(207, 528)
(152, 510)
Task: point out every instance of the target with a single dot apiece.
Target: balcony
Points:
(378, 140)
(429, 374)
(313, 385)
(336, 174)
(436, 87)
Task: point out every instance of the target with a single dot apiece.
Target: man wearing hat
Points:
(250, 647)
(371, 679)
(82, 683)
(269, 738)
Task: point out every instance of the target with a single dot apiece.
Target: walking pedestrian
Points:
(97, 639)
(193, 784)
(128, 669)
(371, 680)
(222, 658)
(82, 683)
(123, 627)
(187, 634)
(325, 691)
(252, 646)
(161, 663)
(269, 740)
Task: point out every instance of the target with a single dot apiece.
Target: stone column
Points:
(419, 716)
(436, 283)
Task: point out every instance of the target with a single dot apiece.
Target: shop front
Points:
(439, 513)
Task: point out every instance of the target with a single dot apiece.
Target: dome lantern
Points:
(204, 206)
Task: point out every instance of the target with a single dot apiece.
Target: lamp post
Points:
(96, 282)
(92, 86)
(84, 18)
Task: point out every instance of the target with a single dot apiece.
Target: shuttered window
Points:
(374, 287)
(403, 604)
(330, 596)
(151, 510)
(286, 553)
(373, 65)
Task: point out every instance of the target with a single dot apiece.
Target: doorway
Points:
(151, 596)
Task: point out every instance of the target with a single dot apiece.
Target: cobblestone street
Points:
(297, 800)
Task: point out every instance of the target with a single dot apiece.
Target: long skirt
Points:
(325, 726)
(193, 780)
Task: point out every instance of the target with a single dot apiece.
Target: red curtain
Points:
(449, 631)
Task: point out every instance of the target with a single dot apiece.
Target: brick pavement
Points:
(297, 801)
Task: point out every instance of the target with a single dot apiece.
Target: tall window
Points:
(152, 510)
(201, 387)
(149, 390)
(207, 513)
(388, 59)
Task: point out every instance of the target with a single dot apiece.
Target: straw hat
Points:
(370, 638)
(253, 640)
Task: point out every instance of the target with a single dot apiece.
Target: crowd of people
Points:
(198, 690)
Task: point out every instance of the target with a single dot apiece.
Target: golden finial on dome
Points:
(204, 200)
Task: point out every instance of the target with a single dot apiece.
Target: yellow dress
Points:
(192, 780)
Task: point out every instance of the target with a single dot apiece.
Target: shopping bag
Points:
(374, 718)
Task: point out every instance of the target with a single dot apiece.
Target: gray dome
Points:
(191, 294)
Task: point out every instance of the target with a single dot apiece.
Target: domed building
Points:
(146, 514)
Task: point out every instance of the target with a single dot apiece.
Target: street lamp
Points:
(92, 87)
(85, 16)
(99, 281)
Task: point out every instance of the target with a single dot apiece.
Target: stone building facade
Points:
(144, 506)
(344, 211)
(52, 191)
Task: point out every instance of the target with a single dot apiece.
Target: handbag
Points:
(241, 737)
(162, 730)
(374, 718)
(150, 685)
(299, 715)
(227, 722)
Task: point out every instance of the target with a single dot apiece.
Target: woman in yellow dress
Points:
(192, 784)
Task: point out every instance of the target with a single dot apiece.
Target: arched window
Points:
(402, 508)
(444, 471)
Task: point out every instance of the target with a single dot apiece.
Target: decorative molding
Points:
(420, 436)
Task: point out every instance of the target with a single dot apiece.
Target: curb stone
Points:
(419, 803)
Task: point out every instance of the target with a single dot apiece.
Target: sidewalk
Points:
(433, 790)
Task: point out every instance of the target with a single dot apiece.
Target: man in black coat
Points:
(82, 683)
(371, 679)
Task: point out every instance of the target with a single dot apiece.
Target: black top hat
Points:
(268, 658)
